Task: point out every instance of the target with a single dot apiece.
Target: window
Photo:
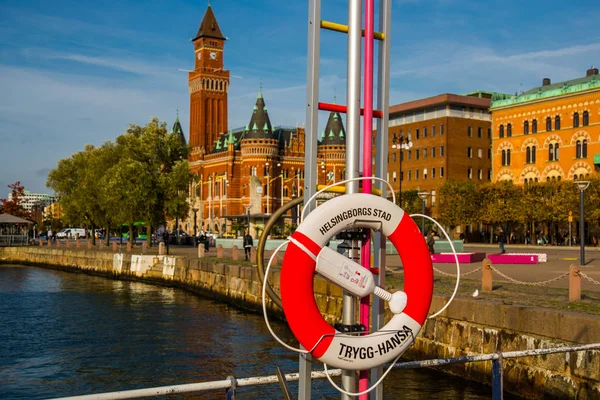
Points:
(575, 120)
(416, 174)
(489, 175)
(553, 152)
(416, 133)
(479, 153)
(409, 173)
(557, 122)
(394, 157)
(526, 128)
(409, 154)
(253, 173)
(470, 173)
(501, 131)
(441, 172)
(548, 124)
(417, 154)
(489, 154)
(401, 175)
(586, 118)
(433, 172)
(424, 173)
(441, 151)
(433, 131)
(433, 152)
(469, 152)
(394, 177)
(530, 155)
(479, 133)
(424, 133)
(489, 133)
(509, 130)
(424, 153)
(480, 174)
(470, 131)
(441, 129)
(534, 126)
(506, 157)
(581, 147)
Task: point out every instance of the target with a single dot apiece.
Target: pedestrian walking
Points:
(166, 240)
(502, 240)
(431, 242)
(248, 243)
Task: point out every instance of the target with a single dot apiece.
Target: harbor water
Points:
(64, 334)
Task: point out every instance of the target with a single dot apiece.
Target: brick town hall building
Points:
(246, 173)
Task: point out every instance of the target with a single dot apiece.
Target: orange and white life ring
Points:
(297, 274)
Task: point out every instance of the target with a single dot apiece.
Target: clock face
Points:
(199, 55)
(213, 55)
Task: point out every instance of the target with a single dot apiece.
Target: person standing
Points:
(502, 240)
(431, 242)
(166, 240)
(248, 243)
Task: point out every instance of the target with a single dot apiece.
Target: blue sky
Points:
(78, 72)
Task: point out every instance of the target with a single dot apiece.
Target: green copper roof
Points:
(549, 91)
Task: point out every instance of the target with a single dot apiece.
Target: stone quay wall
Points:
(467, 327)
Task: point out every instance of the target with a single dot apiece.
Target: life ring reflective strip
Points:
(298, 269)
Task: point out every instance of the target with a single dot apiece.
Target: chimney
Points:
(591, 71)
(545, 81)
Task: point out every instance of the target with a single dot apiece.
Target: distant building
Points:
(450, 136)
(248, 172)
(29, 199)
(551, 132)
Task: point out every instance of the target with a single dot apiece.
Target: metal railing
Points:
(14, 240)
(232, 383)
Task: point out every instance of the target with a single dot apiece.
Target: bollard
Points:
(57, 242)
(253, 255)
(68, 243)
(41, 243)
(161, 249)
(89, 245)
(574, 283)
(114, 246)
(201, 250)
(486, 275)
(235, 254)
(144, 247)
(220, 251)
(77, 243)
(129, 247)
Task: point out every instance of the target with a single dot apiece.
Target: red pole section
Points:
(365, 252)
(342, 109)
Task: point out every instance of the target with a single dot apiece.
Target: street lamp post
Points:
(423, 196)
(581, 185)
(195, 210)
(400, 143)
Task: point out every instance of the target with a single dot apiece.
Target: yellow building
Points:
(550, 132)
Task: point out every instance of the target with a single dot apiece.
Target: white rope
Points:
(455, 257)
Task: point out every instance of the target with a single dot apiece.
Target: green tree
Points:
(14, 206)
(459, 203)
(499, 204)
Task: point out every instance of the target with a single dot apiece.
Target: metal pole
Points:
(423, 219)
(497, 378)
(581, 229)
(310, 150)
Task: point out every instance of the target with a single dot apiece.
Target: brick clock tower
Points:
(208, 84)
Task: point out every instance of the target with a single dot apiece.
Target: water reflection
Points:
(66, 334)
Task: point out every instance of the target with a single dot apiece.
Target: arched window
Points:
(508, 157)
(534, 126)
(557, 122)
(548, 124)
(526, 128)
(501, 131)
(586, 118)
(575, 120)
(578, 149)
(533, 154)
(551, 152)
(509, 130)
(584, 149)
(530, 155)
(503, 157)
